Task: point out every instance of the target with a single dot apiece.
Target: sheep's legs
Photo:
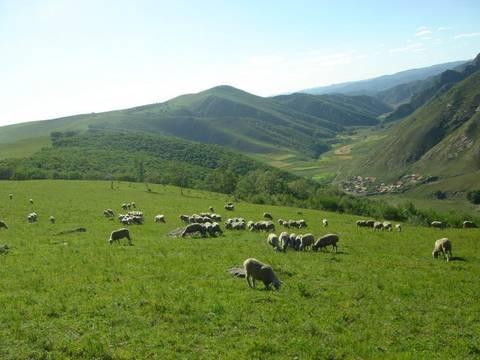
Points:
(248, 280)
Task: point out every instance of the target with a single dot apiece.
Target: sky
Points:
(61, 57)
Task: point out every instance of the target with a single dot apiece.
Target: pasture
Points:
(75, 296)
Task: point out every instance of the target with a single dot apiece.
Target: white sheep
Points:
(267, 215)
(284, 240)
(119, 234)
(32, 217)
(31, 201)
(469, 224)
(306, 241)
(378, 225)
(387, 226)
(326, 240)
(160, 219)
(256, 270)
(10, 196)
(443, 246)
(52, 219)
(272, 240)
(325, 222)
(398, 227)
(437, 224)
(3, 224)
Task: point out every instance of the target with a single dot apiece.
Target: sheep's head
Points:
(435, 254)
(276, 284)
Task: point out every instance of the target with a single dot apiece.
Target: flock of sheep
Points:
(208, 224)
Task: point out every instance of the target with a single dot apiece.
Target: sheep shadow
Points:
(458, 258)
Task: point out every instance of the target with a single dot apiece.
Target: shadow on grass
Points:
(458, 258)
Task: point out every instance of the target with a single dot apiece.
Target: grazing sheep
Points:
(134, 206)
(326, 240)
(211, 209)
(124, 206)
(443, 246)
(361, 223)
(4, 248)
(160, 219)
(194, 228)
(293, 241)
(267, 215)
(284, 240)
(256, 270)
(272, 240)
(387, 226)
(469, 224)
(215, 229)
(119, 234)
(437, 224)
(325, 222)
(370, 223)
(378, 225)
(52, 219)
(108, 213)
(32, 217)
(398, 227)
(185, 218)
(3, 224)
(229, 207)
(306, 241)
(10, 196)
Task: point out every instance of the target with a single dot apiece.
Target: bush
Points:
(474, 196)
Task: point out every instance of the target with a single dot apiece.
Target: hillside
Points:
(420, 92)
(76, 296)
(441, 138)
(373, 86)
(342, 109)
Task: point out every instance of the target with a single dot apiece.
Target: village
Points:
(368, 185)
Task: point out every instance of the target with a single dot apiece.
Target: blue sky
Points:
(63, 57)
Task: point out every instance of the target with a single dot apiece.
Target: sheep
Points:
(302, 223)
(326, 240)
(116, 235)
(284, 240)
(215, 229)
(293, 241)
(194, 228)
(210, 208)
(3, 224)
(325, 222)
(184, 218)
(306, 241)
(272, 240)
(256, 270)
(267, 215)
(361, 223)
(134, 206)
(469, 224)
(229, 207)
(160, 219)
(10, 196)
(444, 246)
(437, 224)
(370, 223)
(387, 226)
(108, 213)
(124, 206)
(398, 227)
(32, 217)
(52, 219)
(378, 225)
(31, 201)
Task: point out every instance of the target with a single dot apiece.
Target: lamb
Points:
(437, 224)
(325, 223)
(194, 228)
(469, 224)
(160, 219)
(443, 246)
(256, 270)
(326, 240)
(284, 240)
(52, 219)
(267, 215)
(398, 227)
(387, 226)
(306, 241)
(119, 234)
(3, 224)
(272, 240)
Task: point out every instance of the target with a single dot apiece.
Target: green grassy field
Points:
(74, 296)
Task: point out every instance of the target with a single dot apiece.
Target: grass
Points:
(75, 296)
(23, 148)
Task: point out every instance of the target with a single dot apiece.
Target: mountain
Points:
(375, 85)
(342, 109)
(225, 116)
(423, 91)
(440, 138)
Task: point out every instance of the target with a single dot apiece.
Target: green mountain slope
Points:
(440, 138)
(342, 109)
(375, 85)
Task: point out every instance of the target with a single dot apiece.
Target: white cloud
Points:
(415, 47)
(422, 28)
(467, 35)
(444, 28)
(423, 33)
